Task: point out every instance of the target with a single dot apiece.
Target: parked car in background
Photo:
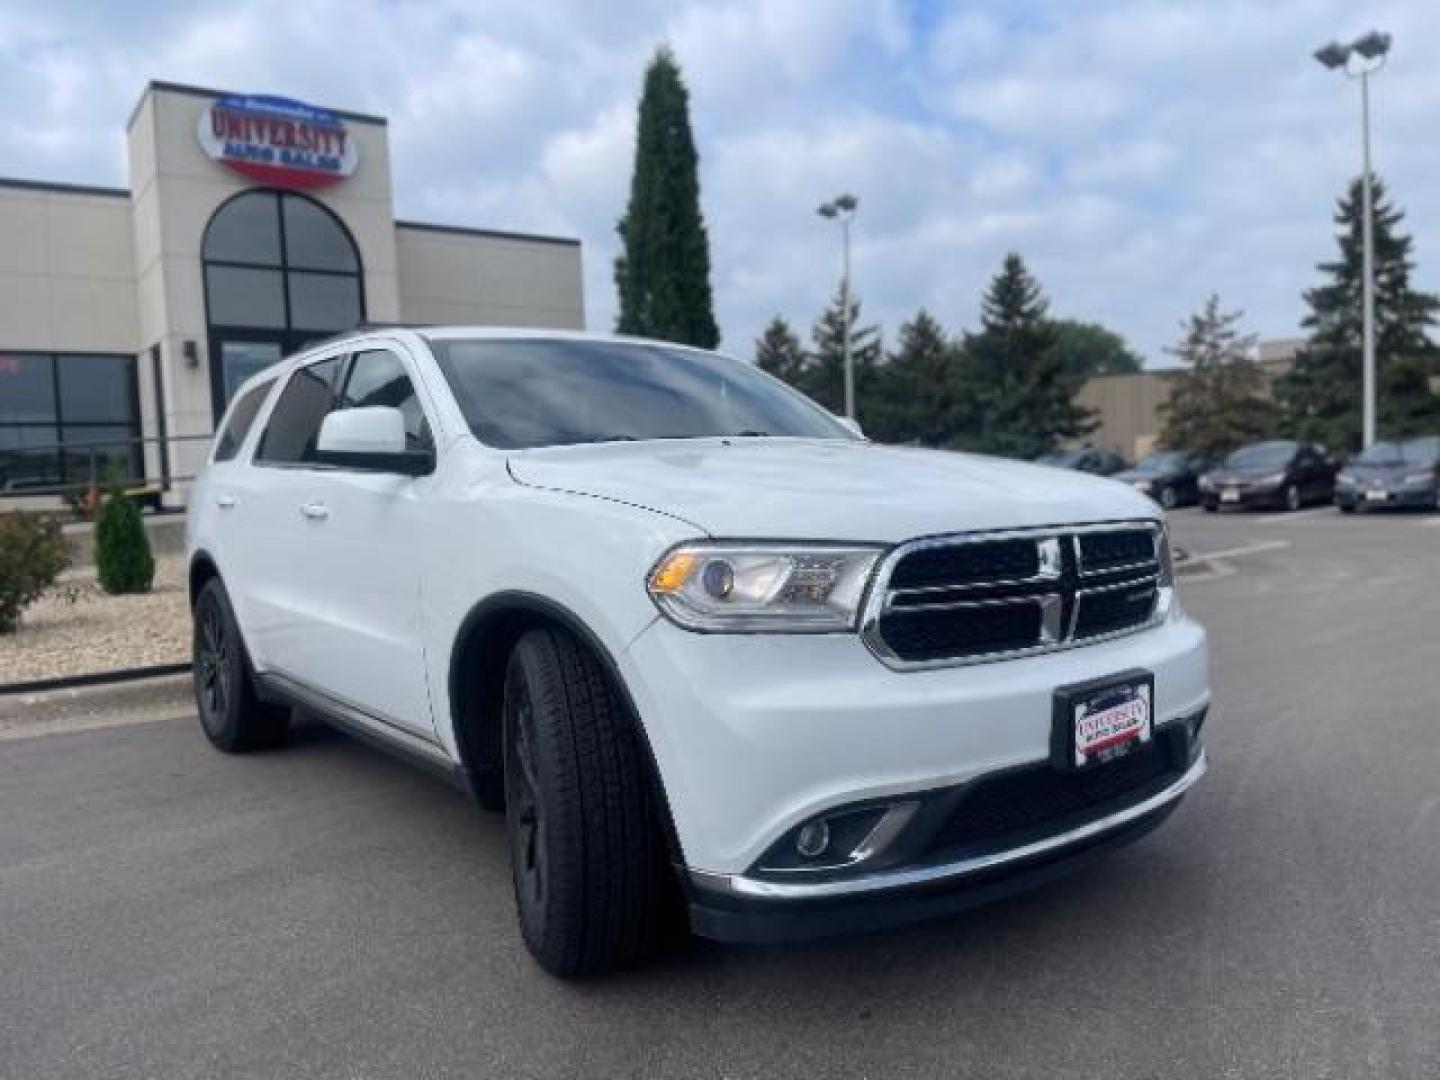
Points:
(1087, 459)
(1170, 477)
(1403, 473)
(1277, 473)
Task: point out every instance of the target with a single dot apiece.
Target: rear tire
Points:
(587, 854)
(1346, 508)
(232, 716)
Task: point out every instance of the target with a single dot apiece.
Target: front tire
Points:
(232, 716)
(586, 850)
(1291, 498)
(1168, 499)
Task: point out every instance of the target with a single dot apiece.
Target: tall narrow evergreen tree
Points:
(921, 396)
(1020, 387)
(824, 376)
(1217, 402)
(779, 352)
(1321, 395)
(663, 272)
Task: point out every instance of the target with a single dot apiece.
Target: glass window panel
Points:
(241, 417)
(295, 420)
(246, 229)
(313, 239)
(27, 388)
(23, 465)
(97, 389)
(241, 359)
(116, 457)
(378, 377)
(245, 297)
(324, 301)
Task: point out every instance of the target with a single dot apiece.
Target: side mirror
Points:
(370, 439)
(850, 424)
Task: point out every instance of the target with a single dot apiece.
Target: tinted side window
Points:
(290, 435)
(378, 377)
(242, 415)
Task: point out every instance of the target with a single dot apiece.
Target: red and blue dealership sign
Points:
(277, 141)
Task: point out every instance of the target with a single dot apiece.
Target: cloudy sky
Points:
(1138, 153)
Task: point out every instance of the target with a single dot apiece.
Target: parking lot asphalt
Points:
(167, 911)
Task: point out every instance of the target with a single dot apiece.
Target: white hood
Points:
(798, 489)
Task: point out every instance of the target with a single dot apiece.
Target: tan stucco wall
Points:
(67, 272)
(455, 276)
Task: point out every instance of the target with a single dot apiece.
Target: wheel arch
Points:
(476, 678)
(201, 570)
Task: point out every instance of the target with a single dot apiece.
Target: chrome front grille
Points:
(985, 596)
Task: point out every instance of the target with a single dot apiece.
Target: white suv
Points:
(714, 654)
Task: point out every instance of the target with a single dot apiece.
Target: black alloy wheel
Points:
(231, 713)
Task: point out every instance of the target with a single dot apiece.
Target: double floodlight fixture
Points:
(1372, 46)
(841, 204)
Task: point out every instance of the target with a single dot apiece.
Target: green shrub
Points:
(122, 550)
(32, 554)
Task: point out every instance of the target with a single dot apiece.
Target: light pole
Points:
(842, 209)
(1371, 48)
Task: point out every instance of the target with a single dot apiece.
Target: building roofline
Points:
(53, 187)
(493, 234)
(207, 92)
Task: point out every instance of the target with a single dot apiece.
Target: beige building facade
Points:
(251, 225)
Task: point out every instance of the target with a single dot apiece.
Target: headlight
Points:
(1345, 480)
(1142, 485)
(1416, 479)
(780, 588)
(1206, 484)
(1273, 480)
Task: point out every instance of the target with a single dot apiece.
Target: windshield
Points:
(1169, 461)
(1422, 451)
(1265, 455)
(527, 393)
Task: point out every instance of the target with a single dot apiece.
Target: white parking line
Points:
(1232, 553)
(1431, 523)
(1294, 515)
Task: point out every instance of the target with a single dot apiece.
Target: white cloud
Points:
(1139, 153)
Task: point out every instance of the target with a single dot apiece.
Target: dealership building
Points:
(251, 226)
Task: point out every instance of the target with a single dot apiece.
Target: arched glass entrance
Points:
(280, 271)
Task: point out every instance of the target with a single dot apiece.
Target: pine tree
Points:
(123, 561)
(663, 273)
(779, 352)
(1218, 401)
(1321, 394)
(824, 377)
(921, 397)
(1020, 390)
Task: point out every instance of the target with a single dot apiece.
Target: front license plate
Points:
(1377, 496)
(1103, 720)
(1230, 495)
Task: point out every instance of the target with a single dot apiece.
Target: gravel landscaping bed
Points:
(77, 629)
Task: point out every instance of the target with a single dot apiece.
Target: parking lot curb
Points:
(96, 678)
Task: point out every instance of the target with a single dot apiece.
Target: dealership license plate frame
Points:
(1079, 701)
(1377, 495)
(1230, 495)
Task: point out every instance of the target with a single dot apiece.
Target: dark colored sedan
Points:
(1090, 459)
(1278, 473)
(1170, 477)
(1405, 473)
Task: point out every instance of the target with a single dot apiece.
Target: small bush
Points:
(32, 554)
(122, 550)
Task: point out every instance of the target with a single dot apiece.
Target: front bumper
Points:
(742, 909)
(754, 735)
(1251, 498)
(1412, 498)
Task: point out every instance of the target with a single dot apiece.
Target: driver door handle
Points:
(316, 511)
(226, 502)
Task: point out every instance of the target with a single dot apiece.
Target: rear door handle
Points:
(315, 511)
(226, 502)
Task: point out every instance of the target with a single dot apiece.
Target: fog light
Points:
(812, 839)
